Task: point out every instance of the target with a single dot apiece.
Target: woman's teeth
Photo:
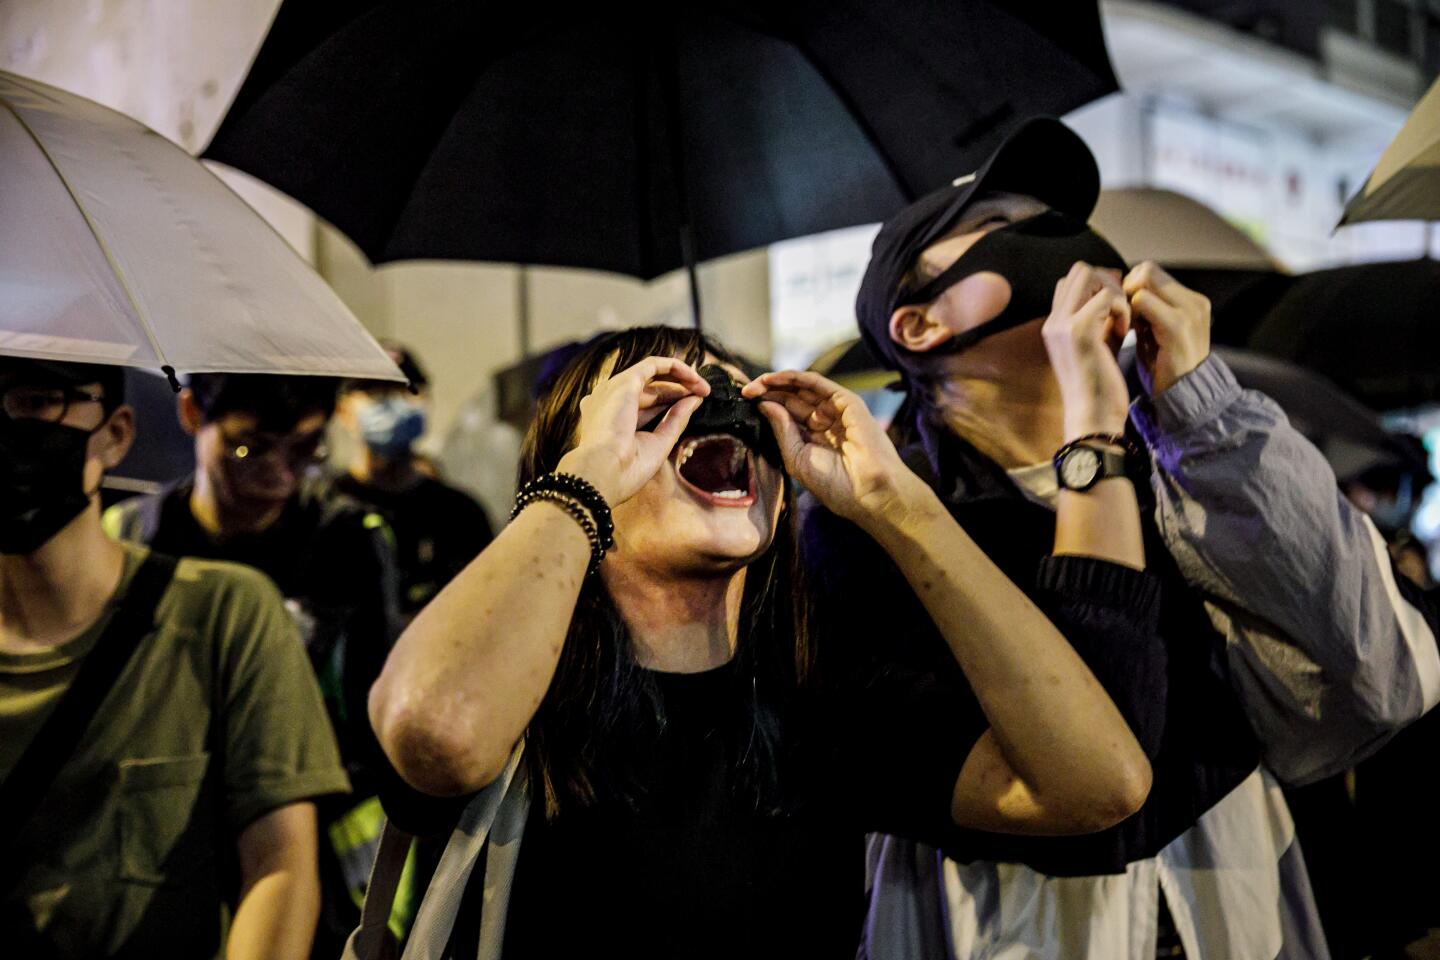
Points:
(736, 471)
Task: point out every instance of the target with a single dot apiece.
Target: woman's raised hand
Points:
(611, 451)
(834, 447)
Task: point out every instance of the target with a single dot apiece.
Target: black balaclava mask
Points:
(42, 481)
(726, 411)
(1032, 255)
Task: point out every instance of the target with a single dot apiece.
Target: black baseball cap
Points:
(1041, 158)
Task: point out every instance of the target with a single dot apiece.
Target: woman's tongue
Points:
(716, 467)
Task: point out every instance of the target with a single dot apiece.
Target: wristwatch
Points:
(1080, 464)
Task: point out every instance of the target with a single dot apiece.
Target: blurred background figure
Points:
(258, 496)
(438, 528)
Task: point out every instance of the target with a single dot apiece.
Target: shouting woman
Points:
(702, 767)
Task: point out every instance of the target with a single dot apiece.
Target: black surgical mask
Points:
(1032, 255)
(42, 481)
(724, 410)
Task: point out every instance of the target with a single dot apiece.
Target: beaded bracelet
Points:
(583, 491)
(576, 510)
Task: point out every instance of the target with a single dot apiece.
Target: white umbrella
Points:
(118, 247)
(1405, 184)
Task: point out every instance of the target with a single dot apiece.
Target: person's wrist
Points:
(597, 467)
(912, 506)
(1092, 422)
(1088, 409)
(1173, 373)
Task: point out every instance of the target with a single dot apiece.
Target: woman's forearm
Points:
(1058, 730)
(467, 675)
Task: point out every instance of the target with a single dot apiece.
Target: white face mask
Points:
(390, 426)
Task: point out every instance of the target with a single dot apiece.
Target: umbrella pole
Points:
(687, 249)
(670, 85)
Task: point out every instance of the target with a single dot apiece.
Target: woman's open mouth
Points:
(718, 469)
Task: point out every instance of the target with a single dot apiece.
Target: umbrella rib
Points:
(99, 241)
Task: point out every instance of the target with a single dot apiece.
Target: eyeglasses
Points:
(261, 449)
(46, 404)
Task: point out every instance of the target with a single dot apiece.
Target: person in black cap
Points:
(438, 528)
(1292, 649)
(162, 740)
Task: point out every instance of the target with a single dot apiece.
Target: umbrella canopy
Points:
(1372, 328)
(1405, 184)
(637, 138)
(118, 247)
(1147, 223)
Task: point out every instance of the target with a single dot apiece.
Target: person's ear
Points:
(913, 328)
(188, 409)
(345, 410)
(119, 436)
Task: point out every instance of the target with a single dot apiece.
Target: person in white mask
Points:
(438, 529)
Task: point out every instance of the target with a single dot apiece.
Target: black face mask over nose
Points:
(726, 411)
(42, 481)
(1032, 255)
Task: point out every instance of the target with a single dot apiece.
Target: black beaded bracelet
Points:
(582, 490)
(576, 509)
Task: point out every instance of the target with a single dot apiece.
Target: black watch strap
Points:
(1076, 467)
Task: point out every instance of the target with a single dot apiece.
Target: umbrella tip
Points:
(169, 372)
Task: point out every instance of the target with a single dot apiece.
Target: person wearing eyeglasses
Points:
(259, 497)
(162, 744)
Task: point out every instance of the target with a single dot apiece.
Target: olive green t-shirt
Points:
(131, 851)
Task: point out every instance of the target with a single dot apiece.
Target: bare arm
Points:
(468, 674)
(1059, 757)
(279, 886)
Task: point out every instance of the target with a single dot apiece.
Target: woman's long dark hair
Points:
(603, 713)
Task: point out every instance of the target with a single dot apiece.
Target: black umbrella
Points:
(637, 138)
(1373, 328)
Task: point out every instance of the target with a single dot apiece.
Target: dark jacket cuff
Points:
(1096, 582)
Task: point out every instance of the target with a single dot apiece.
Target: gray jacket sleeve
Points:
(1329, 650)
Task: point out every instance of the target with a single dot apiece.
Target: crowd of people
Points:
(746, 673)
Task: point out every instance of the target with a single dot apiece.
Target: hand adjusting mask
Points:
(726, 411)
(1032, 255)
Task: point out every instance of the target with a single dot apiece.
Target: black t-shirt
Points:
(693, 870)
(438, 530)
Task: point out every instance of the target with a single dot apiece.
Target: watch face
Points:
(1079, 467)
